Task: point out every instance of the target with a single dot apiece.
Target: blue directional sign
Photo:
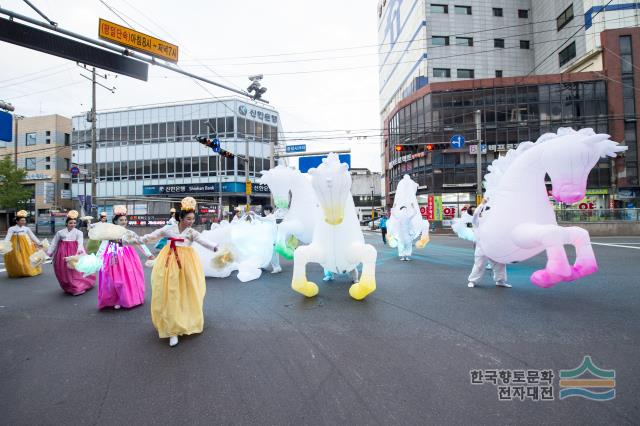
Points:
(457, 141)
(296, 148)
(6, 125)
(306, 163)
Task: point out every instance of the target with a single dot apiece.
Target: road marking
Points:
(4, 270)
(616, 245)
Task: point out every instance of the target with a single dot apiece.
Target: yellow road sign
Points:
(136, 40)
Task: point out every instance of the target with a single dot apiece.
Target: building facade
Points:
(538, 84)
(44, 150)
(366, 192)
(152, 151)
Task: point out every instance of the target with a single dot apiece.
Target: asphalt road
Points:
(268, 356)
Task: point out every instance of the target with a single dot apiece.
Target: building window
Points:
(67, 139)
(567, 54)
(465, 73)
(464, 41)
(30, 164)
(523, 13)
(497, 11)
(565, 17)
(498, 73)
(47, 167)
(30, 139)
(47, 159)
(462, 10)
(67, 164)
(498, 42)
(48, 141)
(48, 132)
(440, 41)
(439, 8)
(442, 72)
(524, 44)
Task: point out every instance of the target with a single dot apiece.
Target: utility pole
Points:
(478, 119)
(246, 172)
(94, 143)
(219, 188)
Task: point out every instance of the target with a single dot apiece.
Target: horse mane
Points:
(500, 165)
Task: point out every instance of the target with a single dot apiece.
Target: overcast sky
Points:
(329, 84)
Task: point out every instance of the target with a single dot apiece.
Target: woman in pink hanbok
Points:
(121, 278)
(69, 242)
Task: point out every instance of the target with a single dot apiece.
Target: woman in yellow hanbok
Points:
(177, 279)
(23, 244)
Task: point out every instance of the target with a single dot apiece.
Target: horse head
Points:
(280, 180)
(569, 157)
(331, 182)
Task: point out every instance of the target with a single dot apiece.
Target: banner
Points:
(437, 207)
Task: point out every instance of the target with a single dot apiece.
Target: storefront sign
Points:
(257, 114)
(198, 188)
(437, 207)
(148, 220)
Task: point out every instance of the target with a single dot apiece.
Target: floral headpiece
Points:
(188, 204)
(73, 214)
(119, 210)
(22, 213)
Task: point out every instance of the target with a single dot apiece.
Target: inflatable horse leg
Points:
(553, 238)
(365, 254)
(424, 235)
(301, 257)
(285, 231)
(585, 263)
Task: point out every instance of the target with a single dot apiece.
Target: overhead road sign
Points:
(296, 148)
(136, 40)
(64, 47)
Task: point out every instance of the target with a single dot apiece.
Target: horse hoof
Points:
(306, 288)
(543, 279)
(579, 271)
(361, 290)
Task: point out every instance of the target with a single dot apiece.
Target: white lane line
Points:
(616, 245)
(4, 270)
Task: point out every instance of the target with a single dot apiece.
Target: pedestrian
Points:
(121, 277)
(23, 244)
(383, 227)
(480, 260)
(94, 245)
(177, 279)
(330, 276)
(69, 242)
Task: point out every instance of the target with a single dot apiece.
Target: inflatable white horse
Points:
(406, 223)
(518, 221)
(246, 246)
(301, 214)
(338, 244)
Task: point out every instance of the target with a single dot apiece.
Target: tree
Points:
(13, 194)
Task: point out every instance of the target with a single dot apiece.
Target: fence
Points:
(598, 215)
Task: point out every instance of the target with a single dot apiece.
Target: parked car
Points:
(376, 222)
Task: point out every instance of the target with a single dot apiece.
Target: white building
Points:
(423, 42)
(366, 191)
(152, 151)
(555, 22)
(440, 40)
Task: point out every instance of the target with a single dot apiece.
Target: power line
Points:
(570, 37)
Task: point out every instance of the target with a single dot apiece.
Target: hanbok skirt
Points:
(121, 279)
(178, 291)
(17, 260)
(70, 280)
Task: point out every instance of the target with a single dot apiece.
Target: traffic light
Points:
(429, 147)
(215, 144)
(226, 154)
(399, 148)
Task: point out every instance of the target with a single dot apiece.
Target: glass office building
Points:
(512, 111)
(152, 151)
